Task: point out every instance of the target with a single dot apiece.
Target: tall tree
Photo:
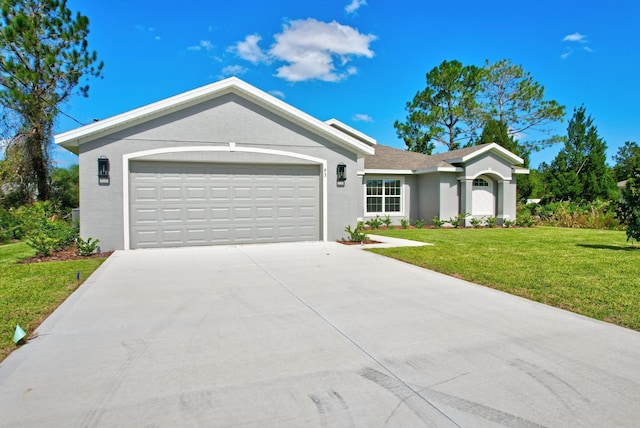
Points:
(510, 95)
(43, 56)
(444, 111)
(579, 171)
(627, 160)
(497, 132)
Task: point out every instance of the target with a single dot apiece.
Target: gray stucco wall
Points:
(410, 197)
(216, 123)
(449, 195)
(488, 164)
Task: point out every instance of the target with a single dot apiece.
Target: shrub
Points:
(458, 220)
(491, 222)
(388, 222)
(404, 222)
(419, 224)
(476, 222)
(508, 223)
(437, 222)
(86, 248)
(374, 223)
(356, 234)
(43, 228)
(525, 220)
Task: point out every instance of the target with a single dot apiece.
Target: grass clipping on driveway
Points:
(595, 273)
(29, 293)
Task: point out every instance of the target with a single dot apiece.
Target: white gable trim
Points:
(71, 140)
(351, 131)
(232, 147)
(486, 172)
(498, 149)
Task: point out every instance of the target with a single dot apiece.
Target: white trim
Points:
(486, 171)
(439, 169)
(232, 147)
(402, 196)
(72, 139)
(520, 171)
(389, 171)
(351, 131)
(506, 154)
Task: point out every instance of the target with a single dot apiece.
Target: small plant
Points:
(437, 222)
(525, 220)
(374, 223)
(86, 248)
(476, 222)
(356, 234)
(491, 222)
(508, 223)
(458, 220)
(405, 222)
(388, 222)
(419, 224)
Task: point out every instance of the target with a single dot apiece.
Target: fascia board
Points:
(351, 131)
(439, 169)
(520, 170)
(389, 171)
(501, 151)
(72, 139)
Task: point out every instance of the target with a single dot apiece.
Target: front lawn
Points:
(31, 292)
(595, 273)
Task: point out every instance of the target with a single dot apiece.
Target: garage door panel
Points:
(204, 204)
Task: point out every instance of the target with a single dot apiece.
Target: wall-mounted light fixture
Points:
(341, 172)
(103, 170)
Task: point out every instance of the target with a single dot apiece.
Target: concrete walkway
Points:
(312, 334)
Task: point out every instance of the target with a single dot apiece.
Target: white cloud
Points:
(575, 37)
(355, 5)
(234, 70)
(278, 94)
(311, 48)
(203, 45)
(360, 117)
(249, 49)
(567, 54)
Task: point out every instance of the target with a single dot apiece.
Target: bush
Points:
(476, 222)
(357, 234)
(458, 220)
(388, 222)
(437, 222)
(491, 222)
(86, 248)
(419, 224)
(9, 226)
(404, 222)
(375, 223)
(525, 220)
(508, 223)
(43, 229)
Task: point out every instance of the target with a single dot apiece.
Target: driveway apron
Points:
(312, 334)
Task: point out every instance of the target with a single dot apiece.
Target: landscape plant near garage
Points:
(31, 292)
(591, 272)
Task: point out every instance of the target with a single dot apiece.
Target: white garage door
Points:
(184, 204)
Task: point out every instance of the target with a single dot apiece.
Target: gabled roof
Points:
(351, 131)
(388, 158)
(71, 140)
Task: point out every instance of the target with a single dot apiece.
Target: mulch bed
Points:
(63, 255)
(368, 241)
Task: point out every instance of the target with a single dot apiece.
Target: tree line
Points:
(465, 105)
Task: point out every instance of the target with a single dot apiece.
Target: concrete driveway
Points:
(312, 334)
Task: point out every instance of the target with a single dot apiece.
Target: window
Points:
(480, 182)
(384, 196)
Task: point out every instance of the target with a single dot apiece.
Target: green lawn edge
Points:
(29, 293)
(595, 273)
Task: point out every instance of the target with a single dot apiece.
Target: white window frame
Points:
(384, 179)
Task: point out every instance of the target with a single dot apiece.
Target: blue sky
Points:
(361, 61)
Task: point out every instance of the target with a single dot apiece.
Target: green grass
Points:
(31, 292)
(595, 273)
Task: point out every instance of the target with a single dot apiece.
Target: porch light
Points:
(103, 170)
(341, 172)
